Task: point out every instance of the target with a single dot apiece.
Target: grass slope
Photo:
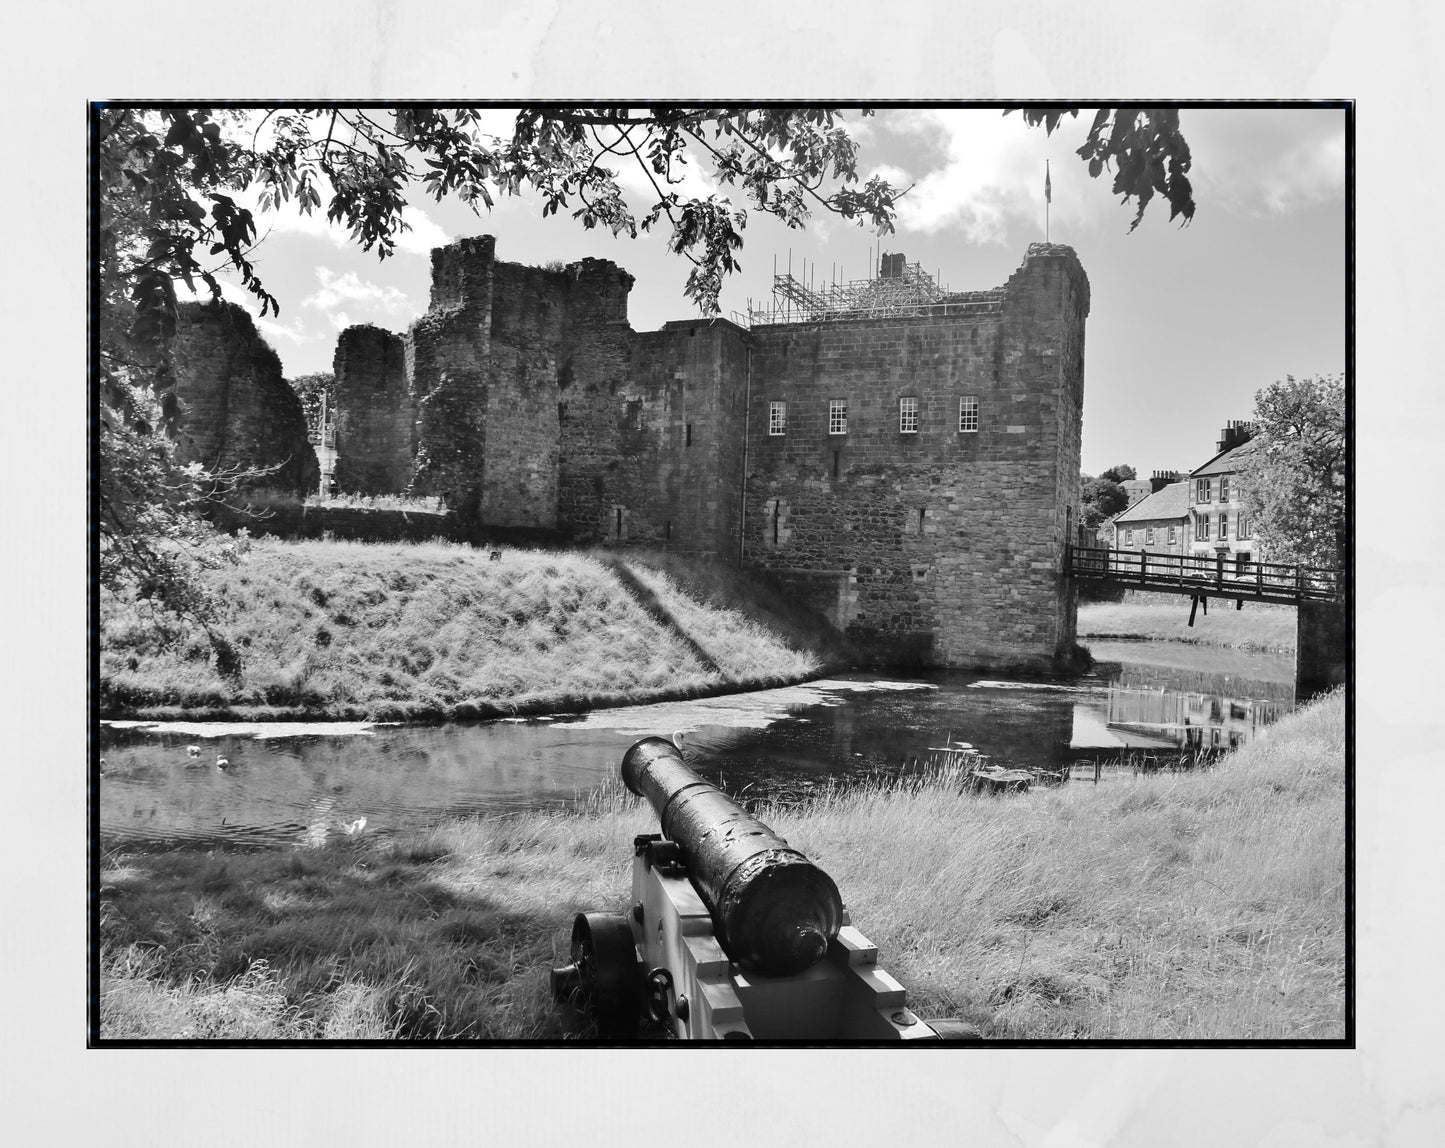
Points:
(1259, 626)
(1189, 906)
(410, 631)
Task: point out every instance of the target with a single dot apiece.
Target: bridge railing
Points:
(1204, 572)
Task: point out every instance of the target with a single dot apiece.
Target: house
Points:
(1158, 523)
(1138, 489)
(1218, 521)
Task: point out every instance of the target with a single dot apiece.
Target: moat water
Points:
(286, 783)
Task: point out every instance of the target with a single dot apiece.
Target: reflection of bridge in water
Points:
(1152, 707)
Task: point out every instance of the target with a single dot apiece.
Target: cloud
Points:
(418, 236)
(973, 171)
(350, 287)
(233, 292)
(1267, 161)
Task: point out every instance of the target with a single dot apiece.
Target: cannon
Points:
(732, 934)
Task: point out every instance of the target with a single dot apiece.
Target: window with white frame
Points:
(968, 415)
(1172, 537)
(908, 416)
(1202, 490)
(777, 418)
(1149, 537)
(1241, 526)
(837, 416)
(1224, 528)
(1201, 528)
(1129, 537)
(1224, 488)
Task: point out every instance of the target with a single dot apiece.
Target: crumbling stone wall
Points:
(375, 420)
(940, 547)
(238, 412)
(676, 470)
(519, 464)
(450, 346)
(597, 423)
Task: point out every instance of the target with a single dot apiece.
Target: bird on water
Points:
(222, 761)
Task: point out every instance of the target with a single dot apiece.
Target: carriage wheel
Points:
(605, 973)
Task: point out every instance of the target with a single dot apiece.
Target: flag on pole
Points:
(1048, 187)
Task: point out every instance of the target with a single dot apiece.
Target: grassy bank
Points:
(1178, 907)
(1259, 626)
(413, 631)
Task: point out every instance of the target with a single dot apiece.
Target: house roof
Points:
(1171, 502)
(1227, 462)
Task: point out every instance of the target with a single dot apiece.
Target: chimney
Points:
(1236, 432)
(891, 266)
(1162, 478)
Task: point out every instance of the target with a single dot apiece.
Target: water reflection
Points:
(308, 787)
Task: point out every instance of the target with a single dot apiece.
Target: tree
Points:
(170, 186)
(311, 389)
(1294, 479)
(1102, 498)
(1123, 473)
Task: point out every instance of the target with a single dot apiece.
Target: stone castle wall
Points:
(537, 406)
(943, 546)
(375, 422)
(237, 411)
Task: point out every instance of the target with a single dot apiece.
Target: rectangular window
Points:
(908, 416)
(1129, 537)
(1149, 537)
(1224, 528)
(1241, 527)
(1224, 488)
(777, 418)
(837, 416)
(1172, 538)
(968, 415)
(1201, 490)
(1201, 528)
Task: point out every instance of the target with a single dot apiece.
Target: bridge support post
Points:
(1322, 650)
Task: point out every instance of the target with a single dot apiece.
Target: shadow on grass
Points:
(433, 958)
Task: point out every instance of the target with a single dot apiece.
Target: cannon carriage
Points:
(732, 934)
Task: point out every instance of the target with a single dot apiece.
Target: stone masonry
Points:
(940, 545)
(375, 422)
(535, 405)
(237, 412)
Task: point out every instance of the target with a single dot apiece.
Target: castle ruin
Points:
(912, 471)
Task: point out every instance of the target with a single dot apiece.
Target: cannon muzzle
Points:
(774, 911)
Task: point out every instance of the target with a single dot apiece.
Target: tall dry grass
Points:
(386, 632)
(1187, 906)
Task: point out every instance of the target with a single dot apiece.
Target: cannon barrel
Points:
(774, 910)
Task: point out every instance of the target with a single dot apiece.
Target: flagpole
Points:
(1048, 199)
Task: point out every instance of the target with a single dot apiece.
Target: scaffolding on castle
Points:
(900, 288)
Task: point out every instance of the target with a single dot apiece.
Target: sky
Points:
(1186, 323)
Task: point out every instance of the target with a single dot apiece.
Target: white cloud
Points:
(233, 292)
(340, 320)
(350, 287)
(1267, 161)
(989, 172)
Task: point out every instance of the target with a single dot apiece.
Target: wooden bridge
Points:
(1205, 576)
